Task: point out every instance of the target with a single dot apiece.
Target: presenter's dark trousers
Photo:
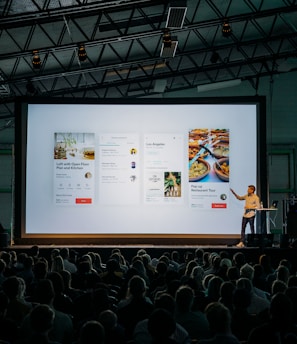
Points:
(245, 221)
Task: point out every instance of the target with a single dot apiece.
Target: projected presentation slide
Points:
(138, 168)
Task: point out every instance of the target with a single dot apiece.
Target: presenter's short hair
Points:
(253, 187)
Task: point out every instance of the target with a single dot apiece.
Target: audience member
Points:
(92, 332)
(9, 327)
(292, 281)
(135, 307)
(170, 276)
(68, 265)
(114, 333)
(265, 262)
(199, 255)
(140, 269)
(278, 286)
(118, 256)
(19, 264)
(2, 271)
(260, 280)
(8, 271)
(219, 319)
(34, 252)
(189, 268)
(27, 273)
(188, 256)
(225, 264)
(205, 261)
(232, 274)
(194, 322)
(239, 259)
(57, 264)
(159, 280)
(86, 277)
(97, 263)
(40, 270)
(226, 294)
(141, 334)
(280, 327)
(213, 288)
(248, 271)
(73, 293)
(161, 326)
(197, 274)
(54, 253)
(258, 304)
(62, 330)
(291, 292)
(242, 321)
(147, 262)
(113, 274)
(62, 302)
(175, 260)
(214, 265)
(14, 287)
(42, 321)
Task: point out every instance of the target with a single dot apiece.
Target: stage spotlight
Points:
(31, 90)
(167, 38)
(169, 45)
(82, 54)
(226, 29)
(36, 60)
(214, 57)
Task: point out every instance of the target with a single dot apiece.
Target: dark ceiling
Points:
(123, 41)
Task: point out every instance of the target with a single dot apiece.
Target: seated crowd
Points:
(201, 297)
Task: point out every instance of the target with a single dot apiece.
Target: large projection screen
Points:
(135, 169)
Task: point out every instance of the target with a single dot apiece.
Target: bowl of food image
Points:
(221, 168)
(198, 170)
(89, 153)
(220, 151)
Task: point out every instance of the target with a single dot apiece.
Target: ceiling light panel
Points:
(176, 14)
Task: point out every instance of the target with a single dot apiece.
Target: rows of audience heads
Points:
(198, 296)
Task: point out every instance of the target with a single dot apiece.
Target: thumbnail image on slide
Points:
(209, 155)
(172, 184)
(74, 169)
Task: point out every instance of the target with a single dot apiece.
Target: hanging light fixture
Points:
(226, 29)
(214, 57)
(169, 44)
(167, 38)
(176, 13)
(82, 54)
(36, 60)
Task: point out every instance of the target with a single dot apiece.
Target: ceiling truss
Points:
(123, 40)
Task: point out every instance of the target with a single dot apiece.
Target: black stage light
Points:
(226, 29)
(36, 60)
(82, 54)
(214, 57)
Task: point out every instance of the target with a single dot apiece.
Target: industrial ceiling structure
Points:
(139, 48)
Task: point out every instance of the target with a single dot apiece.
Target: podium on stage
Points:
(263, 236)
(265, 219)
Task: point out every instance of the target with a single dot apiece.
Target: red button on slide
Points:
(83, 200)
(219, 205)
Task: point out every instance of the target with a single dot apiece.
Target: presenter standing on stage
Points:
(252, 202)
